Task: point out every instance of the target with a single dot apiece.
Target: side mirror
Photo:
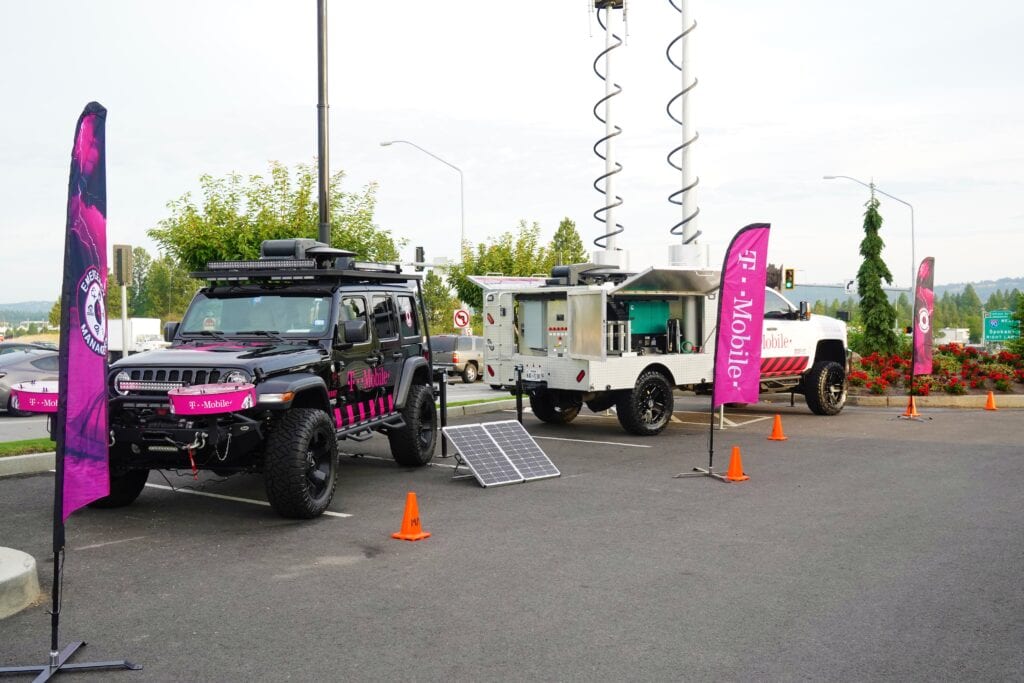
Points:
(356, 331)
(805, 311)
(170, 329)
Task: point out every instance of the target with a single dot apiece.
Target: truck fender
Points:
(310, 391)
(409, 369)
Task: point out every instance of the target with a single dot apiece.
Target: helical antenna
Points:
(679, 196)
(612, 89)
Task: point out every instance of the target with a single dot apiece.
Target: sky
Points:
(926, 100)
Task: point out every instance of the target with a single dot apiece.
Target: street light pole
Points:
(462, 188)
(913, 258)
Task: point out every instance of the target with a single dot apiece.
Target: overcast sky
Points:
(926, 99)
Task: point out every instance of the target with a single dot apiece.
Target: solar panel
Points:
(522, 450)
(489, 464)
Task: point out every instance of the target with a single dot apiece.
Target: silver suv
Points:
(459, 354)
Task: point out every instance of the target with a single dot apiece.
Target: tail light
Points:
(455, 357)
(581, 375)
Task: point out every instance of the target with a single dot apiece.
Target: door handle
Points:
(771, 329)
(373, 359)
(397, 355)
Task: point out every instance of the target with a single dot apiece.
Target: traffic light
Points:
(122, 264)
(419, 259)
(789, 278)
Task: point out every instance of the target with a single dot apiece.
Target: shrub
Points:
(955, 386)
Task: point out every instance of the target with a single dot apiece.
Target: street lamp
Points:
(913, 260)
(462, 192)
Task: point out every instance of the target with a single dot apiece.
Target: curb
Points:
(33, 463)
(978, 402)
(19, 582)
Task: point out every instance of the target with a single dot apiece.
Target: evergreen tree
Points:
(566, 245)
(878, 314)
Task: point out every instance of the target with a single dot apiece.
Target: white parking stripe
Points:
(232, 498)
(606, 443)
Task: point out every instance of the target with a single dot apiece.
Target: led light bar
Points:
(146, 386)
(269, 264)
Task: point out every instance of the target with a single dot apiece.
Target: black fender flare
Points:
(409, 369)
(311, 388)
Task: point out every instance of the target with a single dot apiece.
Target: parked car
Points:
(24, 365)
(460, 354)
(11, 346)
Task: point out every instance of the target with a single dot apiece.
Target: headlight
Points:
(235, 377)
(122, 376)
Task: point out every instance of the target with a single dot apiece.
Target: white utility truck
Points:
(596, 335)
(144, 334)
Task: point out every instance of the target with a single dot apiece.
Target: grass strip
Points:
(483, 400)
(44, 445)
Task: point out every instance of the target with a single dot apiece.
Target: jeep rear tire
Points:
(470, 373)
(554, 407)
(825, 388)
(413, 444)
(300, 466)
(125, 487)
(646, 410)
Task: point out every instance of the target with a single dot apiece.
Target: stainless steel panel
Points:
(586, 325)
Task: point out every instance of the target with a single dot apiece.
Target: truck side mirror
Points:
(170, 329)
(805, 311)
(356, 331)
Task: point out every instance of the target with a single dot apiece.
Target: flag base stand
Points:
(701, 472)
(59, 662)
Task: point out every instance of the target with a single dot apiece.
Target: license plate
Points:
(532, 374)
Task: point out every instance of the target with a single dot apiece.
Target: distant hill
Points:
(25, 310)
(826, 294)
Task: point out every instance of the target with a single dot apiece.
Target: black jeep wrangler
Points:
(336, 349)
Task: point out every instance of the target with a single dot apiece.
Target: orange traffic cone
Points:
(411, 530)
(911, 410)
(735, 472)
(990, 404)
(777, 434)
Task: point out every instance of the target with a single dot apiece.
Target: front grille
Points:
(160, 381)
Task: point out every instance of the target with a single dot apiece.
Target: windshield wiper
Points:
(264, 333)
(216, 334)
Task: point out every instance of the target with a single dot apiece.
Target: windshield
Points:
(251, 313)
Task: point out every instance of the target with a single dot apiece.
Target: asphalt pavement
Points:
(864, 547)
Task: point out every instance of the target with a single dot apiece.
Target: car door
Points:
(355, 390)
(387, 371)
(785, 342)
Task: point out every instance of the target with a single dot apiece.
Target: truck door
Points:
(499, 337)
(784, 346)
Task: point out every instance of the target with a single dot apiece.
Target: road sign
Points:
(1000, 326)
(461, 318)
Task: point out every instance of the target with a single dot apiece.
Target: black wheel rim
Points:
(318, 465)
(835, 388)
(653, 404)
(425, 435)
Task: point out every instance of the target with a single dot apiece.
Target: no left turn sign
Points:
(461, 318)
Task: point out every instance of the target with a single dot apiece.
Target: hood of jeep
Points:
(269, 357)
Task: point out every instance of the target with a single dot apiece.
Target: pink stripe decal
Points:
(381, 399)
(351, 415)
(362, 412)
(391, 403)
(337, 417)
(373, 408)
(333, 393)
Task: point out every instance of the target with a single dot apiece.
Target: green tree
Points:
(516, 252)
(141, 261)
(1017, 345)
(566, 246)
(168, 289)
(878, 314)
(113, 297)
(440, 304)
(904, 311)
(236, 216)
(54, 317)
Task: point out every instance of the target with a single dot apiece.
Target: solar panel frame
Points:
(482, 454)
(522, 450)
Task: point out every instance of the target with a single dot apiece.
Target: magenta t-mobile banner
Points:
(924, 307)
(81, 431)
(741, 316)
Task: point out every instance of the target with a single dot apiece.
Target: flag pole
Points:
(83, 343)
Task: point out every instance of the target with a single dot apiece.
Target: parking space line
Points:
(231, 498)
(606, 443)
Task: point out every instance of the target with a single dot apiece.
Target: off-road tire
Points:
(14, 412)
(824, 388)
(413, 445)
(647, 408)
(547, 407)
(125, 487)
(300, 464)
(470, 373)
